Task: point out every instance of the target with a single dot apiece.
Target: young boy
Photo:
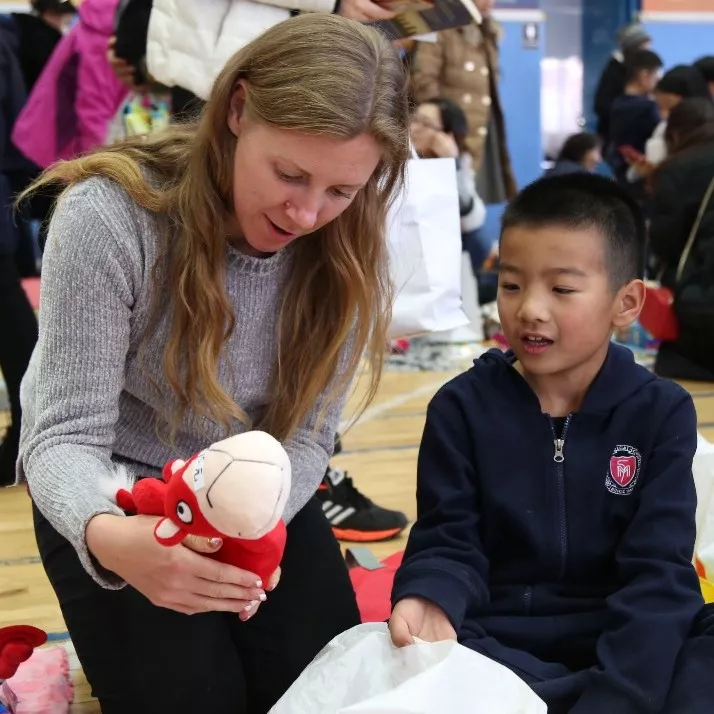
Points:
(556, 502)
(634, 115)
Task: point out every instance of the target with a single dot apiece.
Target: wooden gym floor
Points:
(380, 453)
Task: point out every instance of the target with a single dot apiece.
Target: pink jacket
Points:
(77, 95)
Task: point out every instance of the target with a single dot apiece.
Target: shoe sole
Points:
(366, 536)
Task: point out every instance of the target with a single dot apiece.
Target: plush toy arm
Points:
(125, 501)
(148, 495)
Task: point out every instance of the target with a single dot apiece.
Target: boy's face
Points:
(648, 79)
(556, 304)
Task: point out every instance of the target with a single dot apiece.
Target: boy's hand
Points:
(416, 617)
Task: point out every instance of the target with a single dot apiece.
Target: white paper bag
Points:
(361, 672)
(424, 233)
(703, 470)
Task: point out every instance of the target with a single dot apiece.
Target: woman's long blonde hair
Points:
(312, 73)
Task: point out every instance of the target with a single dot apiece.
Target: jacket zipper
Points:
(527, 599)
(559, 458)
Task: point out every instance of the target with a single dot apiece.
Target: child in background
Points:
(556, 503)
(634, 115)
(72, 104)
(580, 153)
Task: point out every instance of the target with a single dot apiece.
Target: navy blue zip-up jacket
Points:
(572, 547)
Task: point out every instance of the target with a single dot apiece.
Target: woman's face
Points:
(287, 184)
(426, 122)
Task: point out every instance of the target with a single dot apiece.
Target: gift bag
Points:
(362, 672)
(703, 470)
(424, 234)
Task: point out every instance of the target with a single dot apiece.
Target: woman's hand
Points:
(416, 617)
(178, 577)
(363, 10)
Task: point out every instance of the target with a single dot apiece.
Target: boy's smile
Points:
(557, 304)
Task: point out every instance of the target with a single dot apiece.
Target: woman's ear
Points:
(236, 108)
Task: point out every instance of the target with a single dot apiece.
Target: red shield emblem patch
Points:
(623, 469)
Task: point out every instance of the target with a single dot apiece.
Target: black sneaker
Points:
(353, 516)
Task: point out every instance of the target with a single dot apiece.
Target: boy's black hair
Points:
(577, 145)
(583, 201)
(641, 61)
(453, 120)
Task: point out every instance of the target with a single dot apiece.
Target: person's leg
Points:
(18, 335)
(692, 690)
(137, 657)
(313, 603)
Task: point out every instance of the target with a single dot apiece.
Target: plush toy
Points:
(17, 643)
(235, 490)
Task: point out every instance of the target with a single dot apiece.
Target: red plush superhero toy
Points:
(235, 490)
(17, 643)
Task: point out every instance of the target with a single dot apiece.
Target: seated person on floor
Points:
(580, 153)
(556, 504)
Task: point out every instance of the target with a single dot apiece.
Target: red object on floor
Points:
(374, 588)
(32, 290)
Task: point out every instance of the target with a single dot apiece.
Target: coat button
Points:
(467, 98)
(484, 71)
(486, 100)
(469, 66)
(482, 131)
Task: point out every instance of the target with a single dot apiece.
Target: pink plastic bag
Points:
(42, 683)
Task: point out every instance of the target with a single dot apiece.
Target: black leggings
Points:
(18, 335)
(141, 658)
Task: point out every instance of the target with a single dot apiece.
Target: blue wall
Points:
(520, 98)
(682, 42)
(601, 21)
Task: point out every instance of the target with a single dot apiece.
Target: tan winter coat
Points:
(462, 65)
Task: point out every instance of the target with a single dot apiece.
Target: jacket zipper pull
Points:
(558, 457)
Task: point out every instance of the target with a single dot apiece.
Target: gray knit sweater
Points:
(87, 402)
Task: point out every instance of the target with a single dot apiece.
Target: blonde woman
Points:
(218, 277)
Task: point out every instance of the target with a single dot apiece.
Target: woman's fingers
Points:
(196, 604)
(202, 545)
(226, 591)
(217, 572)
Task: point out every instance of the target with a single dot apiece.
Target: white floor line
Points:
(393, 403)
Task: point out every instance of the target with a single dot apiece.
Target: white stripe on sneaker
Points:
(334, 512)
(341, 517)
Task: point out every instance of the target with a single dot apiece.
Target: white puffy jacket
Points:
(190, 41)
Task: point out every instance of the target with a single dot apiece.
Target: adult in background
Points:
(706, 66)
(190, 60)
(679, 188)
(462, 65)
(18, 325)
(209, 279)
